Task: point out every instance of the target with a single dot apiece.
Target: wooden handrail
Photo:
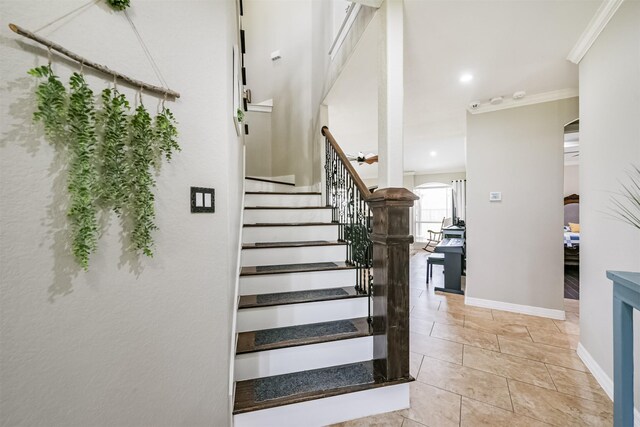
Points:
(364, 191)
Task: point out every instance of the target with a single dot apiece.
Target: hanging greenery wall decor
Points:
(112, 150)
(141, 156)
(82, 171)
(119, 4)
(166, 133)
(51, 99)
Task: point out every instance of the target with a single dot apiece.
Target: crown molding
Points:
(262, 107)
(600, 20)
(539, 98)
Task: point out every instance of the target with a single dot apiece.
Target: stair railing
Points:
(375, 227)
(347, 195)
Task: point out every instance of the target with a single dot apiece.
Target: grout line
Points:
(513, 408)
(460, 416)
(551, 376)
(433, 325)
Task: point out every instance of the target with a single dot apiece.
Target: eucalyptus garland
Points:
(51, 108)
(119, 4)
(112, 155)
(82, 171)
(166, 133)
(141, 204)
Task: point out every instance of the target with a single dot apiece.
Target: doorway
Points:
(572, 210)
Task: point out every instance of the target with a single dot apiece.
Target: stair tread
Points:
(294, 268)
(279, 390)
(271, 181)
(279, 193)
(287, 224)
(293, 336)
(298, 244)
(288, 207)
(297, 297)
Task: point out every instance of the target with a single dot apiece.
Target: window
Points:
(434, 205)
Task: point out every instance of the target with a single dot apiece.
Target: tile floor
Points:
(481, 367)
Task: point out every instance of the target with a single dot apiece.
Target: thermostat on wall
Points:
(495, 196)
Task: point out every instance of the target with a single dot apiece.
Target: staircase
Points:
(305, 348)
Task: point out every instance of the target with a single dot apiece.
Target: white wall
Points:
(514, 247)
(571, 180)
(128, 343)
(610, 144)
(444, 178)
(286, 26)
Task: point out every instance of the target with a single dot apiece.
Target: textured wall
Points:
(131, 342)
(514, 247)
(609, 145)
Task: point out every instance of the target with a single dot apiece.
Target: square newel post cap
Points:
(392, 197)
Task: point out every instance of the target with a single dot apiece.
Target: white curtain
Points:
(460, 189)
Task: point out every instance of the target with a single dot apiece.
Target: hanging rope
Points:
(146, 51)
(77, 9)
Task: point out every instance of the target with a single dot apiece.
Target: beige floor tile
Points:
(465, 336)
(420, 326)
(437, 316)
(558, 408)
(531, 322)
(410, 423)
(415, 360)
(557, 339)
(479, 385)
(426, 303)
(464, 309)
(475, 414)
(446, 296)
(572, 305)
(497, 327)
(571, 324)
(390, 419)
(436, 348)
(505, 365)
(542, 353)
(432, 406)
(577, 383)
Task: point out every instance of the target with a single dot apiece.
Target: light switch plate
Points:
(495, 196)
(203, 200)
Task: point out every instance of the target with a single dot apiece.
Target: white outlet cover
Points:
(495, 196)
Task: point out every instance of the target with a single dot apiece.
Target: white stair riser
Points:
(251, 319)
(289, 233)
(251, 185)
(299, 255)
(271, 216)
(289, 282)
(302, 358)
(330, 410)
(282, 200)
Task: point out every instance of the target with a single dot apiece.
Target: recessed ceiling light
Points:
(466, 78)
(433, 154)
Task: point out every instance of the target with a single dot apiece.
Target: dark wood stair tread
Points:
(288, 207)
(294, 268)
(297, 297)
(269, 181)
(293, 336)
(279, 390)
(288, 224)
(299, 244)
(280, 193)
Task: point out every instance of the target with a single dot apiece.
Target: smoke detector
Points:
(474, 105)
(519, 94)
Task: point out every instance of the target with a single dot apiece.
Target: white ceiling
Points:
(506, 45)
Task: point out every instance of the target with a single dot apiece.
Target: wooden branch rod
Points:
(364, 191)
(103, 69)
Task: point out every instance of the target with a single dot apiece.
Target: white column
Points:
(391, 94)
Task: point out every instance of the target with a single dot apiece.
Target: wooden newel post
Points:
(391, 240)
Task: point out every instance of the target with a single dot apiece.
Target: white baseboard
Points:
(599, 374)
(603, 379)
(515, 308)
